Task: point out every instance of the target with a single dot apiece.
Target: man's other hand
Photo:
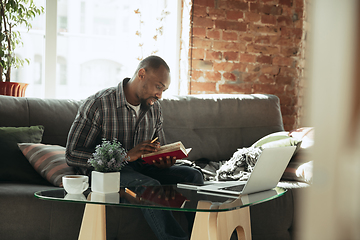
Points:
(165, 163)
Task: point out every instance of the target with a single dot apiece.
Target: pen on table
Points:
(131, 193)
(154, 140)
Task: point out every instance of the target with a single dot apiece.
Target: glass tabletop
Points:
(165, 197)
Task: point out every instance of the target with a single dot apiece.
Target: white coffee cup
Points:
(75, 184)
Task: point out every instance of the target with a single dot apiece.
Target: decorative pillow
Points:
(271, 138)
(277, 139)
(48, 160)
(14, 166)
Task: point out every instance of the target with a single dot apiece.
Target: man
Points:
(131, 113)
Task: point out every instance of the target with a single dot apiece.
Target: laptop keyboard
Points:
(237, 188)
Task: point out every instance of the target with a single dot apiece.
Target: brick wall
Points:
(249, 46)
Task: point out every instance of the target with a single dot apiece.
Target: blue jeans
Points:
(162, 222)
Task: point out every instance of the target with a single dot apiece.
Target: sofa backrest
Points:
(56, 115)
(215, 126)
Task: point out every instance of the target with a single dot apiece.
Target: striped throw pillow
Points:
(48, 160)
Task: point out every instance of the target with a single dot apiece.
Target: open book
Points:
(176, 149)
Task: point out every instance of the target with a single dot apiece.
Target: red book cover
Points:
(152, 195)
(172, 150)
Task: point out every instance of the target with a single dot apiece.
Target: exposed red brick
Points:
(201, 43)
(203, 22)
(243, 6)
(245, 88)
(286, 100)
(229, 36)
(272, 70)
(262, 39)
(288, 110)
(217, 13)
(212, 76)
(213, 34)
(195, 75)
(264, 29)
(205, 3)
(229, 66)
(250, 77)
(198, 53)
(255, 48)
(253, 68)
(199, 11)
(284, 80)
(289, 51)
(247, 37)
(264, 78)
(284, 21)
(227, 25)
(252, 17)
(283, 61)
(255, 7)
(228, 46)
(229, 76)
(288, 72)
(269, 1)
(275, 89)
(247, 58)
(291, 32)
(202, 87)
(234, 15)
(271, 9)
(264, 59)
(268, 19)
(286, 2)
(201, 64)
(289, 122)
(299, 14)
(282, 41)
(199, 32)
(213, 55)
(299, 3)
(231, 56)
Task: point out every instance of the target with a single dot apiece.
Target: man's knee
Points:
(196, 176)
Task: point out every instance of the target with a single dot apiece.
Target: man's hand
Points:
(142, 148)
(165, 163)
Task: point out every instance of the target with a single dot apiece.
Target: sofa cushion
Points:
(48, 160)
(300, 166)
(14, 166)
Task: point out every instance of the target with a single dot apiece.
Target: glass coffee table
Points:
(216, 215)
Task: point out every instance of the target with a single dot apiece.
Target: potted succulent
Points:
(107, 160)
(13, 13)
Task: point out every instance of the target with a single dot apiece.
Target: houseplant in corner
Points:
(107, 160)
(13, 13)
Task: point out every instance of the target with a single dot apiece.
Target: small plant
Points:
(109, 156)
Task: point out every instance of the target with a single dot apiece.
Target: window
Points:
(98, 43)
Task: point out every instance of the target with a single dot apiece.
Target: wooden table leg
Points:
(238, 220)
(205, 223)
(93, 226)
(220, 225)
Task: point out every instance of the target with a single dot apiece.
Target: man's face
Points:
(155, 82)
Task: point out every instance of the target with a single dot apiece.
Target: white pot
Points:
(105, 182)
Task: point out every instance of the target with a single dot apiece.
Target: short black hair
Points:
(153, 62)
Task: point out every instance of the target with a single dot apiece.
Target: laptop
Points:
(266, 174)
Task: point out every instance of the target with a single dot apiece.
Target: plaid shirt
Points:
(108, 115)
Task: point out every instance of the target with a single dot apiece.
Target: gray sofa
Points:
(215, 126)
